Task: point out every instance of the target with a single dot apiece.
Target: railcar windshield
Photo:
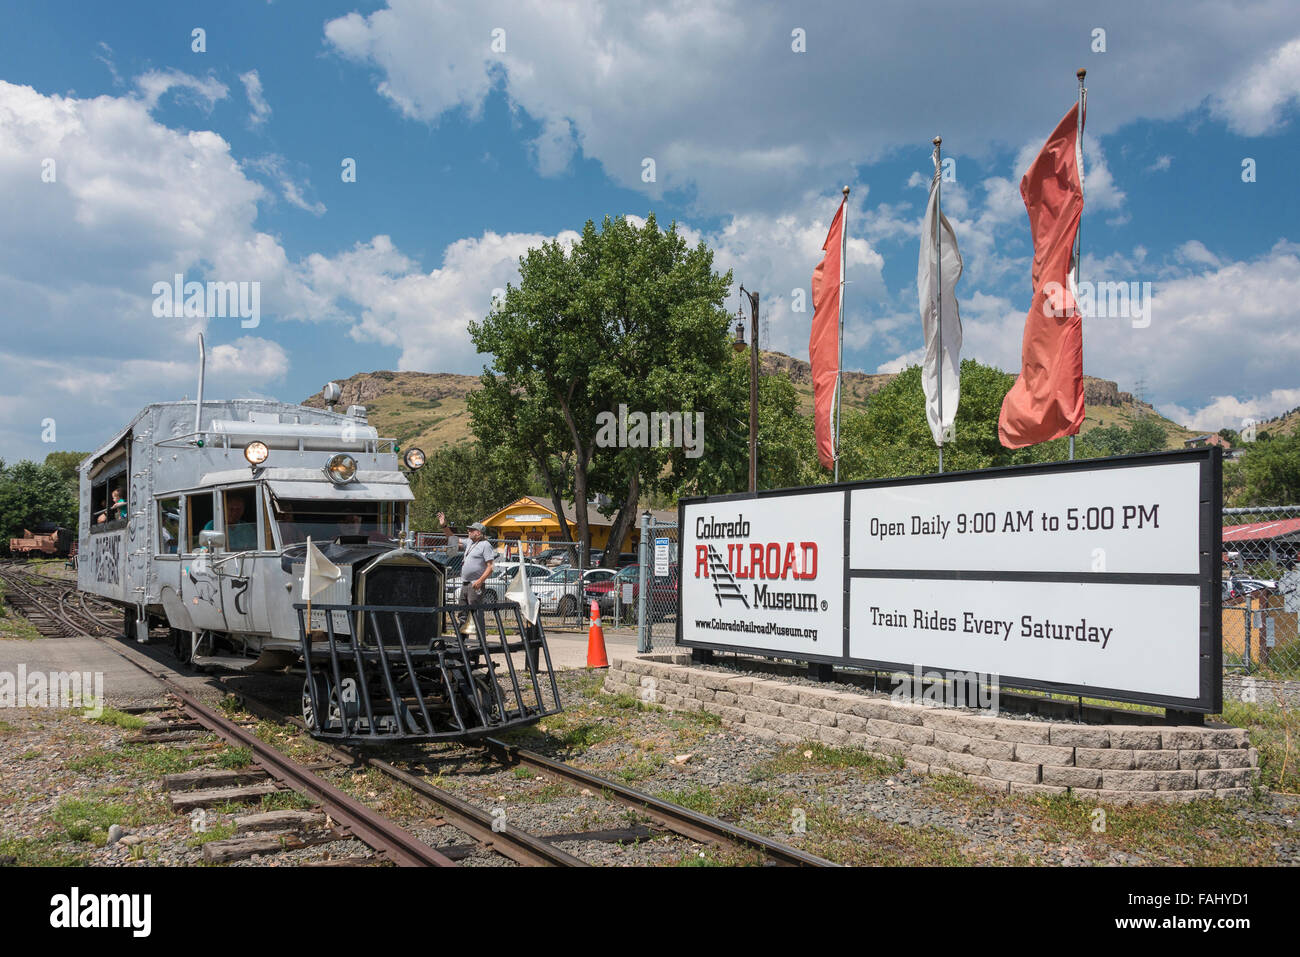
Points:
(326, 521)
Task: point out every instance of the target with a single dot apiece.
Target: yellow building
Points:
(534, 525)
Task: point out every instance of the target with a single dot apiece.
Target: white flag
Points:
(521, 593)
(942, 347)
(318, 573)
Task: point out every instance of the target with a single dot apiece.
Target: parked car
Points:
(624, 558)
(562, 592)
(1238, 589)
(557, 557)
(663, 592)
(494, 589)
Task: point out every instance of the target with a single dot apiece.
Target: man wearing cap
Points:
(476, 567)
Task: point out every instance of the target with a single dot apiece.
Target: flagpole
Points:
(1078, 232)
(938, 241)
(839, 373)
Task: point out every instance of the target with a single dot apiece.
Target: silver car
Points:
(562, 592)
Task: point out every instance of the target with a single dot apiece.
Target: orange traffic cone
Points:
(596, 640)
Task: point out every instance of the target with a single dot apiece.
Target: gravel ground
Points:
(834, 802)
(67, 780)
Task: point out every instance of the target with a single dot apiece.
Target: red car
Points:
(663, 593)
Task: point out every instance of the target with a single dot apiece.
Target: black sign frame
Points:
(1209, 699)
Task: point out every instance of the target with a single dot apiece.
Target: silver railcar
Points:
(197, 515)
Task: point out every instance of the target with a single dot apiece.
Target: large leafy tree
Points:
(31, 494)
(1268, 474)
(66, 463)
(467, 482)
(1146, 434)
(627, 318)
(787, 451)
(892, 438)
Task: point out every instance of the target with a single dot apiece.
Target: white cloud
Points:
(276, 166)
(714, 93)
(1253, 103)
(205, 91)
(1161, 164)
(261, 110)
(1230, 412)
(132, 203)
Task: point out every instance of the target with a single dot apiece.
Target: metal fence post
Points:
(643, 593)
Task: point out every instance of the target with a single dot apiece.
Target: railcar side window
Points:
(108, 502)
(198, 516)
(240, 512)
(169, 525)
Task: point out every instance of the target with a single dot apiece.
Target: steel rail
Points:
(528, 849)
(674, 817)
(381, 834)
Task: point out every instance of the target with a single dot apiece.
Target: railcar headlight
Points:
(341, 469)
(414, 459)
(256, 453)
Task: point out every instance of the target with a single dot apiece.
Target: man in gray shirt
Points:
(477, 565)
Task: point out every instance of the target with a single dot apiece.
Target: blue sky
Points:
(225, 165)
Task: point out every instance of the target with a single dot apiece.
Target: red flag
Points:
(824, 342)
(1046, 401)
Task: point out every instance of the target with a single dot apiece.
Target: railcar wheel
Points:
(327, 692)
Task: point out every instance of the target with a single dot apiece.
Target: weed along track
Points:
(256, 787)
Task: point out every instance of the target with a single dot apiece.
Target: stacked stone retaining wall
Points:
(1115, 763)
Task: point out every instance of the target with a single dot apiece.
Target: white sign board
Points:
(765, 574)
(662, 557)
(1093, 577)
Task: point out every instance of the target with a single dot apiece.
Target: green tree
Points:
(626, 318)
(66, 463)
(892, 437)
(467, 483)
(31, 494)
(1269, 473)
(787, 454)
(1146, 434)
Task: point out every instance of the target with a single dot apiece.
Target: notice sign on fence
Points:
(662, 557)
(1097, 577)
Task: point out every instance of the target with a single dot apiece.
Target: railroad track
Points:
(485, 831)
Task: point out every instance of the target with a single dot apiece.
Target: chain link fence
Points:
(565, 584)
(657, 586)
(1261, 591)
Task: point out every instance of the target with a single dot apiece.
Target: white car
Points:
(494, 589)
(562, 592)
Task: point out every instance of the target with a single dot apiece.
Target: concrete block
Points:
(1111, 759)
(1014, 771)
(1071, 777)
(1135, 738)
(1045, 754)
(1079, 736)
(1155, 760)
(1128, 780)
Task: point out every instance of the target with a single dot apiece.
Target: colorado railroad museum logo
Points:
(770, 561)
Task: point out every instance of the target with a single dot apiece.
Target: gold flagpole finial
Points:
(937, 140)
(846, 192)
(1081, 73)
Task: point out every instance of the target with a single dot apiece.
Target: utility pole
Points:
(753, 389)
